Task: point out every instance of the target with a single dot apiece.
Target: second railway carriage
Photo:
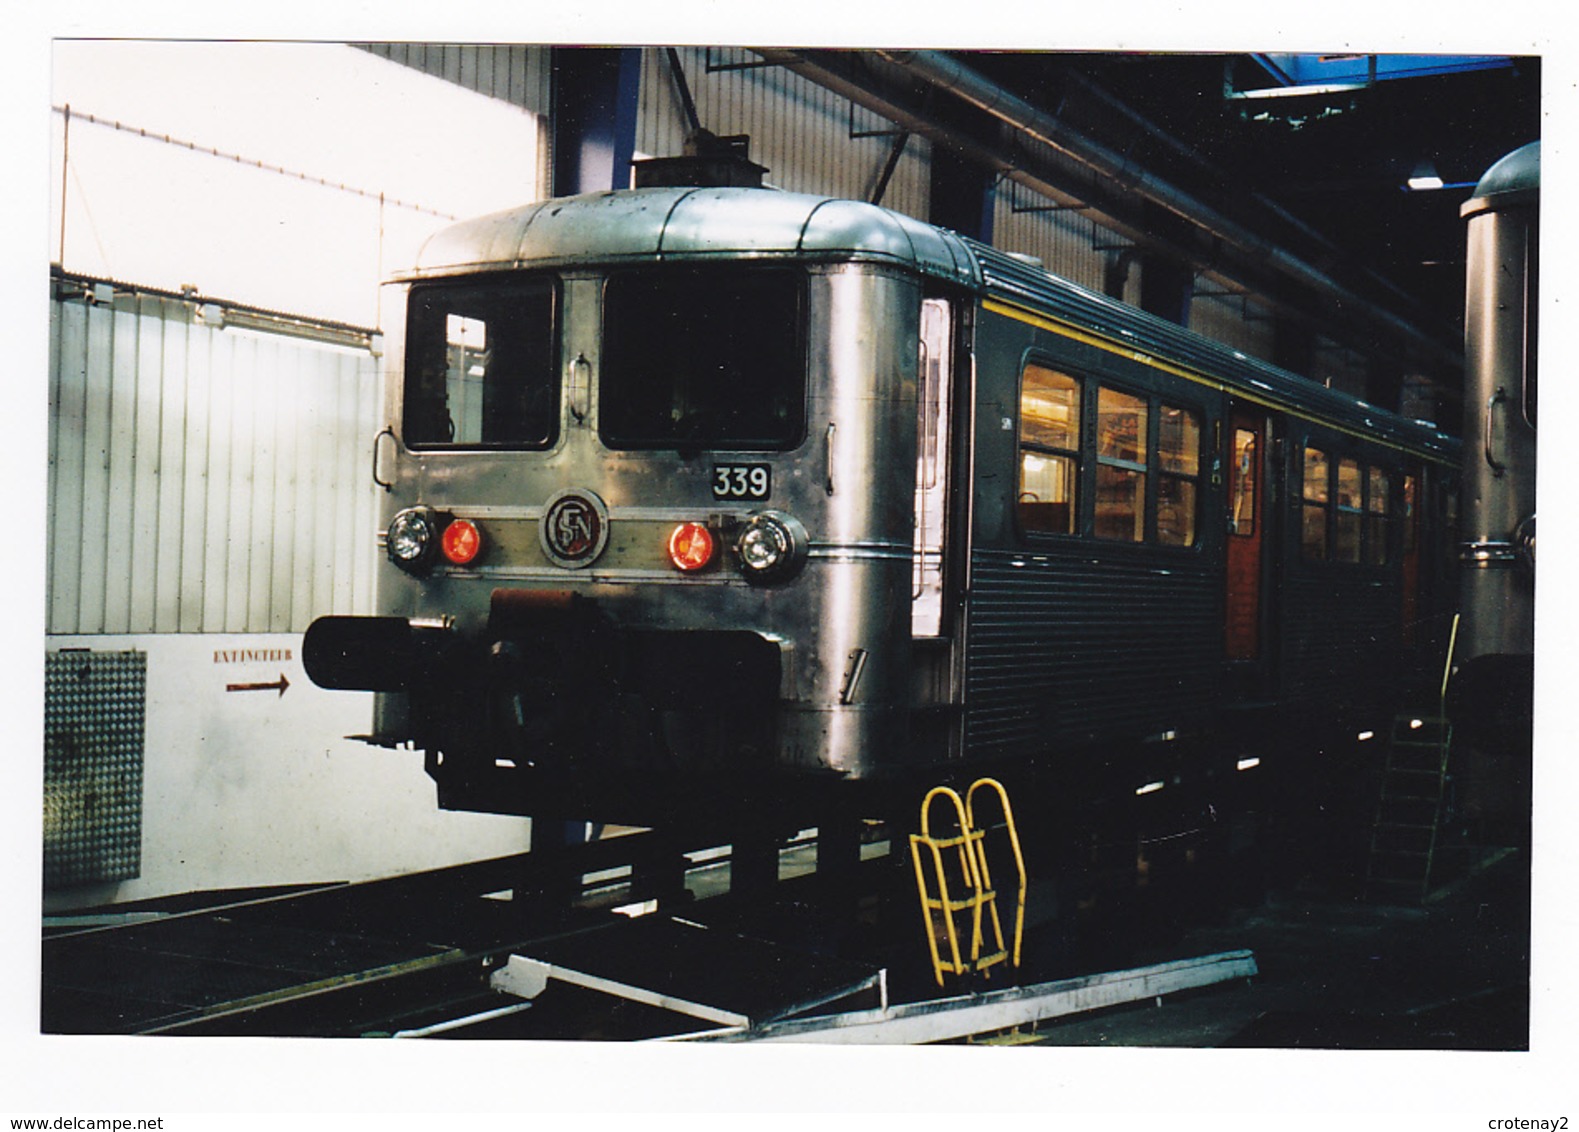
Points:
(1492, 692)
(693, 488)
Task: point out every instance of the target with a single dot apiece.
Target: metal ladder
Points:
(1409, 814)
(1413, 798)
(960, 881)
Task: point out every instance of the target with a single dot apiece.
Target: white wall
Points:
(253, 788)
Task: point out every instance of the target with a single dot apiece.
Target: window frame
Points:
(1348, 519)
(1164, 474)
(549, 282)
(1127, 468)
(793, 439)
(1376, 519)
(1088, 460)
(1075, 455)
(1251, 468)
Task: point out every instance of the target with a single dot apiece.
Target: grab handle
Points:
(828, 455)
(580, 387)
(389, 432)
(1497, 467)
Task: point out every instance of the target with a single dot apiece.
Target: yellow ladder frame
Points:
(980, 899)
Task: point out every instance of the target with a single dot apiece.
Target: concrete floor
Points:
(1339, 973)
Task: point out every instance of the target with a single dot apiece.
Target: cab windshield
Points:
(482, 365)
(709, 357)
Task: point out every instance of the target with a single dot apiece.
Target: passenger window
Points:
(1049, 450)
(1378, 487)
(1121, 466)
(1140, 450)
(1178, 475)
(1247, 464)
(1313, 535)
(1346, 543)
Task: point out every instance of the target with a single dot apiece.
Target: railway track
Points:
(632, 936)
(416, 955)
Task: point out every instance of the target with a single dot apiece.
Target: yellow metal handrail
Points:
(1447, 667)
(939, 906)
(1014, 843)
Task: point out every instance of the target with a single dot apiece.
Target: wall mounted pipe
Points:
(1107, 171)
(944, 71)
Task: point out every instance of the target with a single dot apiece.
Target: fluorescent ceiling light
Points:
(1296, 91)
(1425, 177)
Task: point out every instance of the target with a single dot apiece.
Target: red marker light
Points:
(462, 542)
(691, 547)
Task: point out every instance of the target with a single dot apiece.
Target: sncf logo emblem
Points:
(574, 529)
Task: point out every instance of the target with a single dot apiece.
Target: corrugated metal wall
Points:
(516, 73)
(1065, 241)
(203, 480)
(799, 130)
(1339, 367)
(1233, 322)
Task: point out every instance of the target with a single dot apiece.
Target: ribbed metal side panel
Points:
(1339, 636)
(1229, 320)
(516, 73)
(799, 130)
(1063, 647)
(203, 480)
(1065, 241)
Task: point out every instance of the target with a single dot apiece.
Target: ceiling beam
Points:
(1076, 170)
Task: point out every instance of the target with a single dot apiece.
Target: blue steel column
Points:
(592, 135)
(593, 125)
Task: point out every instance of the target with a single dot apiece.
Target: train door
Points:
(936, 635)
(1248, 592)
(932, 465)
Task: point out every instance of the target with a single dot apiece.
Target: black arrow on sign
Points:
(281, 684)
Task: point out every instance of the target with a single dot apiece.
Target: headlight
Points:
(411, 540)
(771, 547)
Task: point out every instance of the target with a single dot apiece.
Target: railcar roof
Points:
(682, 223)
(1131, 331)
(1511, 182)
(690, 224)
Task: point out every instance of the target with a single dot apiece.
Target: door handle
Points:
(377, 440)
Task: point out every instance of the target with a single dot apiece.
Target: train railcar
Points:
(705, 489)
(1492, 690)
